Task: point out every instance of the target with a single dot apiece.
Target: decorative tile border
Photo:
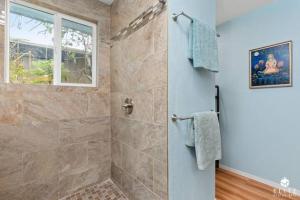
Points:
(141, 20)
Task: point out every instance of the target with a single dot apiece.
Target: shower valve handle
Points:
(128, 106)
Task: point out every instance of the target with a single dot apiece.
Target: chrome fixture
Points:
(182, 13)
(128, 106)
(175, 118)
(175, 16)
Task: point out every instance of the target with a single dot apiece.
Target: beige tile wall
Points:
(139, 71)
(54, 140)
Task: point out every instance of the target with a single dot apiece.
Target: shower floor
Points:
(103, 191)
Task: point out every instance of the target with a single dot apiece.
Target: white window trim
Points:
(57, 44)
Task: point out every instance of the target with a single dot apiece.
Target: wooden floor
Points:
(230, 186)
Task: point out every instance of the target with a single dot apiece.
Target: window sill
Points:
(48, 88)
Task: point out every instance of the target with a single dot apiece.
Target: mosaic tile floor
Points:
(103, 191)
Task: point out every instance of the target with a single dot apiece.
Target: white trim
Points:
(33, 6)
(6, 45)
(57, 43)
(258, 179)
(94, 56)
(77, 84)
(94, 50)
(77, 20)
(57, 50)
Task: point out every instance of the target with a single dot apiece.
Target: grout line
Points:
(153, 106)
(153, 172)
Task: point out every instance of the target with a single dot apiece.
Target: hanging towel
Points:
(204, 135)
(203, 48)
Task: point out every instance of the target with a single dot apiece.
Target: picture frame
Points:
(271, 66)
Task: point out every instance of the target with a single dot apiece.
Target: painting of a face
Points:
(271, 66)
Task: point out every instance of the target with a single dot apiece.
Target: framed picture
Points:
(271, 66)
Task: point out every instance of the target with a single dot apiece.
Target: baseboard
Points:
(258, 179)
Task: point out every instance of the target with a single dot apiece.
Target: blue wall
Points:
(189, 91)
(260, 128)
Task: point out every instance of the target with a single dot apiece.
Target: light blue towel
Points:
(203, 47)
(204, 135)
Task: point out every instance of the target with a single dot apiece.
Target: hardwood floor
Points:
(231, 186)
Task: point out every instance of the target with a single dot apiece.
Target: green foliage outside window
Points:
(40, 72)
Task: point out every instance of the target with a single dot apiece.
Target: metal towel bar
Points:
(175, 16)
(175, 118)
(182, 13)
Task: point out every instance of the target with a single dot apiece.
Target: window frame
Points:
(57, 44)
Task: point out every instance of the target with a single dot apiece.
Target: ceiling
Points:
(107, 1)
(229, 9)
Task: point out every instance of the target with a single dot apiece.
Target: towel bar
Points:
(175, 16)
(175, 118)
(182, 13)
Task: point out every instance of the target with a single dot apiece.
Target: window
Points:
(46, 47)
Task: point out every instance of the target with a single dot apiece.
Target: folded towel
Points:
(203, 48)
(204, 135)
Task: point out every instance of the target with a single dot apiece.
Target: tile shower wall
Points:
(54, 140)
(139, 71)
